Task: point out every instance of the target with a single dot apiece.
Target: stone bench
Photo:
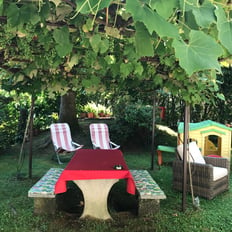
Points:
(149, 192)
(43, 192)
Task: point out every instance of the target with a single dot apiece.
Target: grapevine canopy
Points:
(57, 45)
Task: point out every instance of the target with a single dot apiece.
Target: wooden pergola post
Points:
(186, 141)
(153, 134)
(31, 137)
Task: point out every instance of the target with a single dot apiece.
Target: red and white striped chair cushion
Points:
(100, 135)
(61, 137)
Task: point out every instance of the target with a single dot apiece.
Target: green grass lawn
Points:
(17, 209)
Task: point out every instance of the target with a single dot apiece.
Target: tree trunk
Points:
(68, 110)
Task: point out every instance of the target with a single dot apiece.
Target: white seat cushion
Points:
(219, 173)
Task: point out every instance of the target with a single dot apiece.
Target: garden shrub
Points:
(45, 112)
(14, 116)
(8, 124)
(133, 124)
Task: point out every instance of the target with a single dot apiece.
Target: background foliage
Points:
(62, 45)
(133, 117)
(126, 49)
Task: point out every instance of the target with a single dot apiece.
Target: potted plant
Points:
(90, 115)
(90, 111)
(101, 113)
(83, 115)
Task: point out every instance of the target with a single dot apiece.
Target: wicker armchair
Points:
(202, 177)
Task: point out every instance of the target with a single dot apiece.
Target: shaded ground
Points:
(119, 201)
(121, 204)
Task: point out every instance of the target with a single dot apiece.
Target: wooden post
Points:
(31, 137)
(186, 140)
(153, 134)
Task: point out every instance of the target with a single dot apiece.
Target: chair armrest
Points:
(114, 145)
(95, 146)
(198, 170)
(77, 145)
(57, 148)
(218, 162)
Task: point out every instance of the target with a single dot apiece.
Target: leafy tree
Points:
(224, 108)
(60, 46)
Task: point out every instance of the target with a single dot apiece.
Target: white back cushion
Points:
(194, 154)
(180, 149)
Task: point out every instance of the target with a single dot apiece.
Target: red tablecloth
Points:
(95, 164)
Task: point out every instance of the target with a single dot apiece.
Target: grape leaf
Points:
(19, 16)
(221, 96)
(114, 32)
(13, 15)
(91, 6)
(1, 7)
(56, 2)
(126, 69)
(224, 27)
(138, 69)
(61, 36)
(95, 41)
(190, 21)
(203, 13)
(92, 82)
(45, 9)
(143, 41)
(73, 61)
(62, 11)
(63, 50)
(201, 53)
(153, 21)
(188, 5)
(98, 44)
(164, 7)
(88, 26)
(29, 12)
(104, 45)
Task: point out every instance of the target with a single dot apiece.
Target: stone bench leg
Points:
(95, 194)
(148, 207)
(45, 205)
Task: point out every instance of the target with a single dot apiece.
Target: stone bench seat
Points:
(43, 192)
(149, 192)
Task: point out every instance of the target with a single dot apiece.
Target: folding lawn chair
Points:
(62, 140)
(100, 137)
